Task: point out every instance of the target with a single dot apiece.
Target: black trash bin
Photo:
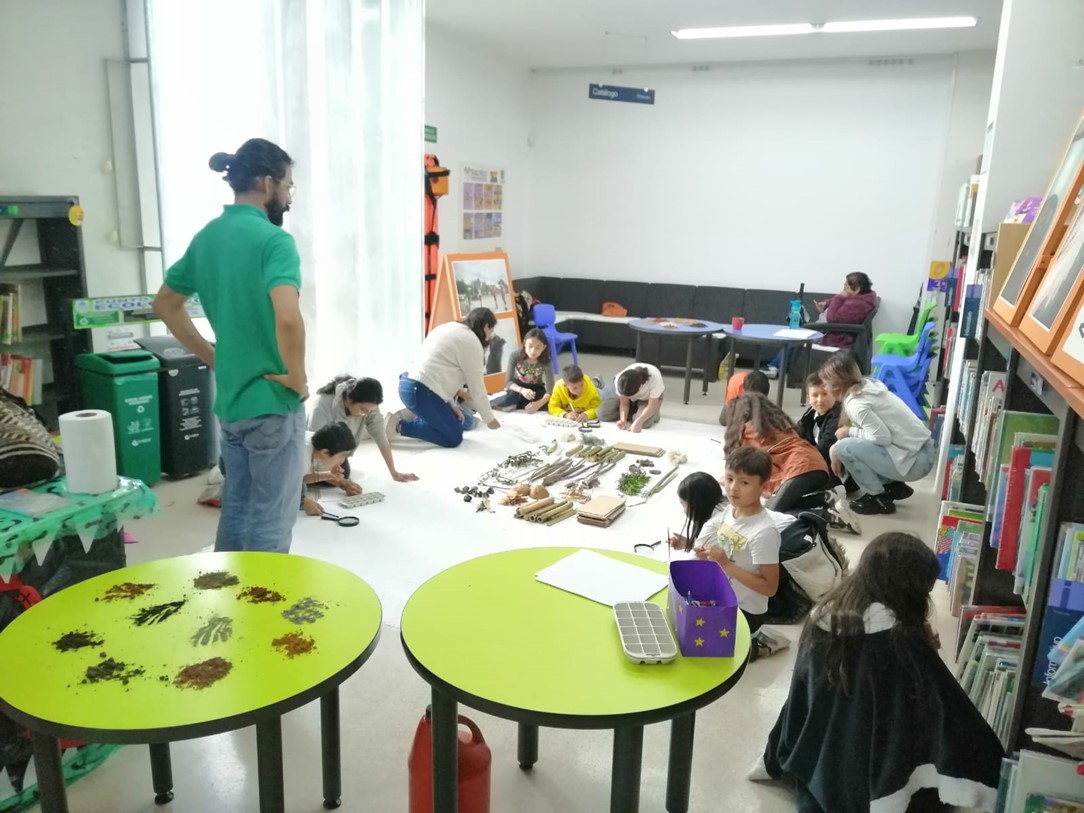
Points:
(185, 397)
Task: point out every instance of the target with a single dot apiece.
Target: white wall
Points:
(479, 104)
(749, 175)
(963, 143)
(55, 120)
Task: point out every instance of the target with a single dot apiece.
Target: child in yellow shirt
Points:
(575, 396)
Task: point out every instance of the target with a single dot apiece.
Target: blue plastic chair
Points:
(545, 318)
(905, 376)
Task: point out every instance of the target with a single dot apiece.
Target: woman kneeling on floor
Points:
(883, 445)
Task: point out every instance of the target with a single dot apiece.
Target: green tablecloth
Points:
(88, 516)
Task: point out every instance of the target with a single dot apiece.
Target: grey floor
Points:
(382, 703)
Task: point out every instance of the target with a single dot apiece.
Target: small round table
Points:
(152, 653)
(487, 634)
(769, 334)
(688, 329)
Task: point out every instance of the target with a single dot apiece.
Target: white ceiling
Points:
(572, 33)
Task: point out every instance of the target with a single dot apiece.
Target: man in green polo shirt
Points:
(247, 273)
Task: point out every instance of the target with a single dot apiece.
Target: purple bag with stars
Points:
(703, 631)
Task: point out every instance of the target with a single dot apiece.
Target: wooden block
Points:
(602, 508)
(646, 451)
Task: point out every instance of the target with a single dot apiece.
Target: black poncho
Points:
(905, 725)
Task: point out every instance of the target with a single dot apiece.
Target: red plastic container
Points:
(475, 760)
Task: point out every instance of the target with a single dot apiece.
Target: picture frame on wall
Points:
(1046, 233)
(481, 280)
(1058, 294)
(1069, 352)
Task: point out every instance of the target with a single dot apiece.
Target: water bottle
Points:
(795, 313)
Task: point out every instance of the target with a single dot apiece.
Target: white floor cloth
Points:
(424, 527)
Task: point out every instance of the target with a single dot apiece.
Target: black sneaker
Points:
(898, 491)
(873, 504)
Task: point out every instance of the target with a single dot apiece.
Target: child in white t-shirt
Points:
(634, 398)
(746, 546)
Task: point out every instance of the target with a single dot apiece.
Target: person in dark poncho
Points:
(875, 722)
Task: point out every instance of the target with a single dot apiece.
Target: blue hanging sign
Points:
(613, 93)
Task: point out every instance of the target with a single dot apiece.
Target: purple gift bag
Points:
(702, 632)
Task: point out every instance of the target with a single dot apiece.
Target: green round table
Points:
(485, 633)
(183, 658)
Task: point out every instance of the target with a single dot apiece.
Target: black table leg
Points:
(528, 746)
(679, 777)
(782, 382)
(808, 363)
(50, 774)
(732, 356)
(688, 368)
(639, 345)
(445, 753)
(269, 765)
(161, 773)
(709, 341)
(330, 749)
(625, 775)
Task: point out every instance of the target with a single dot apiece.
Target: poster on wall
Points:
(483, 201)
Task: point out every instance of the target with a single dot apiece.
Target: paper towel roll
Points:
(90, 460)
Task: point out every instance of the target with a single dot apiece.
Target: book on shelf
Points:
(995, 508)
(1038, 783)
(954, 473)
(22, 377)
(984, 618)
(966, 393)
(990, 393)
(1064, 604)
(964, 563)
(1067, 683)
(1036, 489)
(936, 424)
(11, 323)
(1004, 429)
(950, 516)
(1028, 450)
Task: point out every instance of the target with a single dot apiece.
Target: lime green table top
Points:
(488, 631)
(252, 647)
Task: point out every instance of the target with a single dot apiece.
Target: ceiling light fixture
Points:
(840, 27)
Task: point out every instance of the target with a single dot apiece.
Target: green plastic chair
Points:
(904, 344)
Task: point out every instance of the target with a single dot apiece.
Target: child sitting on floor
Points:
(529, 374)
(819, 423)
(326, 450)
(752, 381)
(797, 467)
(746, 542)
(634, 398)
(575, 396)
(874, 719)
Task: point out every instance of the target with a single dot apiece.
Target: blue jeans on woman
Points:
(871, 467)
(436, 421)
(262, 470)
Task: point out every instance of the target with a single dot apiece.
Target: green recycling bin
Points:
(125, 384)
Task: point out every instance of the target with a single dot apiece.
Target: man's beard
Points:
(276, 210)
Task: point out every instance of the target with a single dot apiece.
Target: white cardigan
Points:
(881, 417)
(450, 357)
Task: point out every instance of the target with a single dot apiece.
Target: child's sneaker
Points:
(391, 424)
(842, 518)
(898, 490)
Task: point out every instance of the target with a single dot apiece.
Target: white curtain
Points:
(338, 84)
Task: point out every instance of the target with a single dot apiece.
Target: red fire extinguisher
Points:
(474, 764)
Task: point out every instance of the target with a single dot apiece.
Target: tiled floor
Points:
(382, 703)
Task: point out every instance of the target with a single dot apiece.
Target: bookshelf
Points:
(1032, 385)
(49, 273)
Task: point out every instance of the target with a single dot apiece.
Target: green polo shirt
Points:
(233, 263)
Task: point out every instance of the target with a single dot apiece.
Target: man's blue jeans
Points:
(262, 471)
(436, 422)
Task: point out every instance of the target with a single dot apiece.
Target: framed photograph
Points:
(482, 281)
(1058, 295)
(1046, 233)
(1069, 353)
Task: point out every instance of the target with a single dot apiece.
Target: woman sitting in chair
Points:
(851, 306)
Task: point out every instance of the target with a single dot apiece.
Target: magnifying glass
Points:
(343, 522)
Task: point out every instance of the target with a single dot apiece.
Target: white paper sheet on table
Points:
(602, 579)
(794, 333)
